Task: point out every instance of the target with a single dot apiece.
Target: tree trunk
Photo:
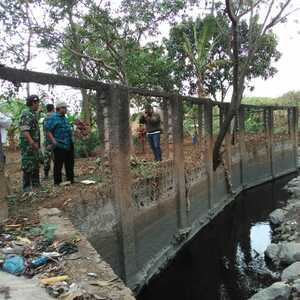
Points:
(233, 109)
(238, 87)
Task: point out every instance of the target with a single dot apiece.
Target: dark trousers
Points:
(154, 142)
(31, 179)
(66, 158)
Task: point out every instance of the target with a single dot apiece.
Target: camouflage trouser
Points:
(48, 156)
(30, 163)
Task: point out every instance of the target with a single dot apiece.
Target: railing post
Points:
(242, 146)
(165, 113)
(118, 131)
(176, 106)
(294, 134)
(269, 138)
(208, 153)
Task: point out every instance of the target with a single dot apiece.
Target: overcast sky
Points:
(288, 77)
(288, 66)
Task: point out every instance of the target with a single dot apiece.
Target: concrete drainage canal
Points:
(226, 259)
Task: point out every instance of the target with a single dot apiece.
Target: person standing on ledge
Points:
(30, 143)
(48, 153)
(152, 122)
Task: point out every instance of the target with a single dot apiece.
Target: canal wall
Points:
(164, 212)
(138, 225)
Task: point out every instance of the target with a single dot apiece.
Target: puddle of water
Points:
(225, 261)
(260, 236)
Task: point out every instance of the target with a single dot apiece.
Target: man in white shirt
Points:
(5, 123)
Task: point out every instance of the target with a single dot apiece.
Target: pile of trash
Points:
(30, 250)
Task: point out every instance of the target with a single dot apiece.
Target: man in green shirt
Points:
(48, 152)
(30, 143)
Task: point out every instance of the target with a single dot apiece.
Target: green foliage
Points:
(144, 169)
(253, 122)
(215, 64)
(13, 107)
(85, 147)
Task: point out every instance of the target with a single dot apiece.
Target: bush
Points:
(85, 147)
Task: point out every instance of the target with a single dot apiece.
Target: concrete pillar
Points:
(208, 153)
(3, 186)
(176, 107)
(294, 133)
(242, 146)
(200, 122)
(118, 131)
(165, 113)
(268, 112)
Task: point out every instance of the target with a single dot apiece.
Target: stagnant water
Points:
(225, 261)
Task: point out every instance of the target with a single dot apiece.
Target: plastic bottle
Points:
(39, 261)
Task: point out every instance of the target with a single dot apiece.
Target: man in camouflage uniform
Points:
(30, 143)
(48, 152)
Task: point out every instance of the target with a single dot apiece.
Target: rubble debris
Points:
(5, 290)
(53, 280)
(14, 264)
(30, 250)
(88, 182)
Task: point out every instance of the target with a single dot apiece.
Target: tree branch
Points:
(96, 60)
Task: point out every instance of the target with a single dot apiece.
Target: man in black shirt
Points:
(153, 127)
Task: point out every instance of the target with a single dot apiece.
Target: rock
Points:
(49, 212)
(296, 205)
(289, 253)
(278, 290)
(277, 216)
(293, 237)
(296, 285)
(283, 253)
(272, 252)
(285, 237)
(292, 272)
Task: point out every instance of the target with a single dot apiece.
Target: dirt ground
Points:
(97, 170)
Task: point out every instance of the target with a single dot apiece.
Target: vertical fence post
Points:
(176, 106)
(242, 144)
(208, 153)
(294, 134)
(165, 111)
(3, 185)
(119, 153)
(269, 138)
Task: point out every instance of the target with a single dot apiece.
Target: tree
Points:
(17, 20)
(214, 65)
(276, 11)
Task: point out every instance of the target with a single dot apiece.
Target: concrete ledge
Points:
(107, 285)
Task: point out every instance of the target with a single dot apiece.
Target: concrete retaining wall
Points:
(156, 234)
(140, 225)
